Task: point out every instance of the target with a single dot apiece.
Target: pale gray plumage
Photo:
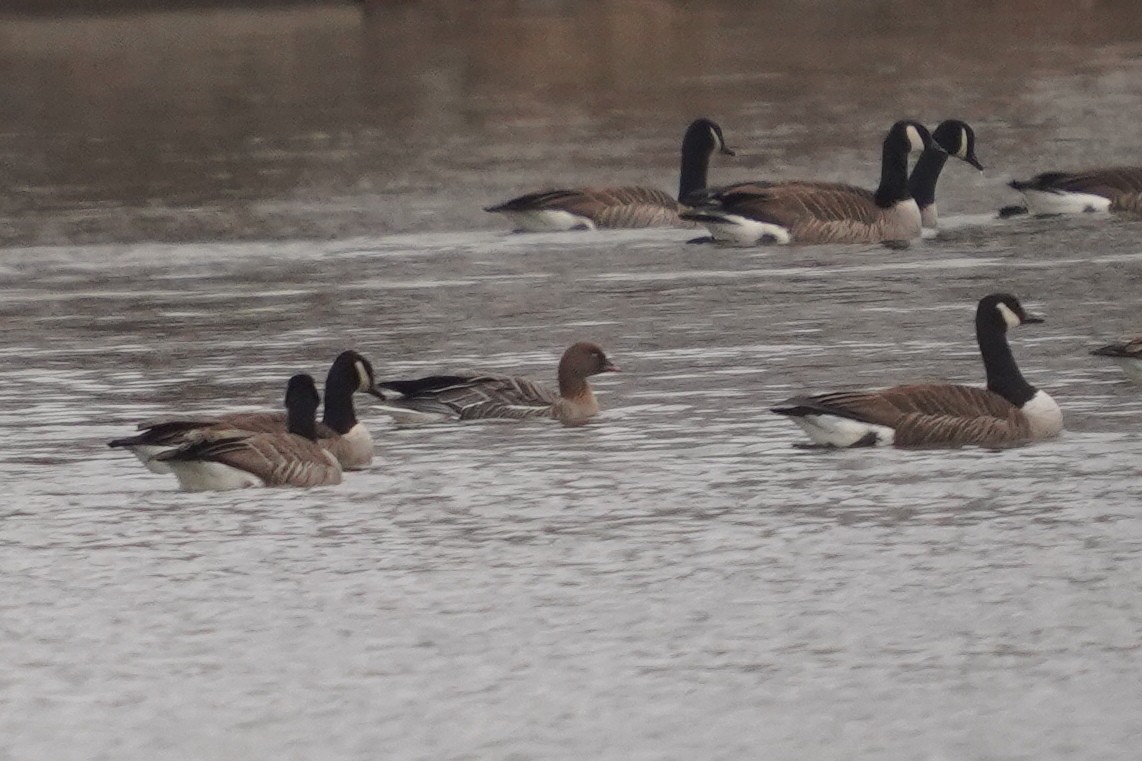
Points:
(1127, 354)
(1009, 412)
(473, 396)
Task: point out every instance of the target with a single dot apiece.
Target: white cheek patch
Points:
(718, 144)
(915, 139)
(1009, 317)
(363, 381)
(963, 152)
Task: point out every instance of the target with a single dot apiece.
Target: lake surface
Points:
(202, 202)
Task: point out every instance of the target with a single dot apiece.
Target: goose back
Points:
(1106, 189)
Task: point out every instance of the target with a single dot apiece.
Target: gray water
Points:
(202, 203)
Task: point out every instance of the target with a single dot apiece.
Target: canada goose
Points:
(1093, 190)
(340, 432)
(953, 138)
(218, 459)
(619, 207)
(1009, 412)
(820, 212)
(471, 396)
(1128, 355)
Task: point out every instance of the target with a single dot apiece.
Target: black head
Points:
(353, 369)
(958, 139)
(1002, 311)
(301, 394)
(706, 134)
(907, 136)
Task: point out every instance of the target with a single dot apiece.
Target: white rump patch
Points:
(548, 221)
(201, 475)
(145, 452)
(835, 431)
(1132, 366)
(405, 416)
(1046, 202)
(736, 230)
(1009, 317)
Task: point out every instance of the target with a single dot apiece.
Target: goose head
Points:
(704, 137)
(907, 136)
(353, 370)
(958, 139)
(581, 360)
(301, 402)
(1001, 312)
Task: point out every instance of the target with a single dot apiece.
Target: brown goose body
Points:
(339, 432)
(802, 211)
(1107, 189)
(623, 206)
(217, 459)
(472, 396)
(1008, 412)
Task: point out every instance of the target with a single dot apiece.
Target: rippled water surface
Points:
(674, 580)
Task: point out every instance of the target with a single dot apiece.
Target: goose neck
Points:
(922, 182)
(1003, 375)
(339, 413)
(695, 167)
(893, 175)
(300, 421)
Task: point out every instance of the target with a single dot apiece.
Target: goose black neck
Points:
(1003, 376)
(300, 420)
(922, 182)
(893, 175)
(694, 169)
(339, 389)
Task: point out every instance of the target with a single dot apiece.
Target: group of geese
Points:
(804, 211)
(292, 448)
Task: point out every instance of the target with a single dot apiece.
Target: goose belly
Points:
(547, 220)
(200, 475)
(835, 431)
(1045, 202)
(736, 230)
(145, 452)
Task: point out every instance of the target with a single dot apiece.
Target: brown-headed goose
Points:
(218, 459)
(339, 431)
(800, 211)
(1092, 190)
(1128, 355)
(1009, 412)
(619, 207)
(953, 138)
(471, 396)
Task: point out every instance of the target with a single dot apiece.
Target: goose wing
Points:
(475, 397)
(278, 459)
(613, 207)
(789, 204)
(175, 431)
(1107, 182)
(925, 414)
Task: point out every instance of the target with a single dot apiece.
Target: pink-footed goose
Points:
(473, 396)
(1008, 412)
(800, 211)
(219, 459)
(339, 431)
(620, 207)
(1127, 354)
